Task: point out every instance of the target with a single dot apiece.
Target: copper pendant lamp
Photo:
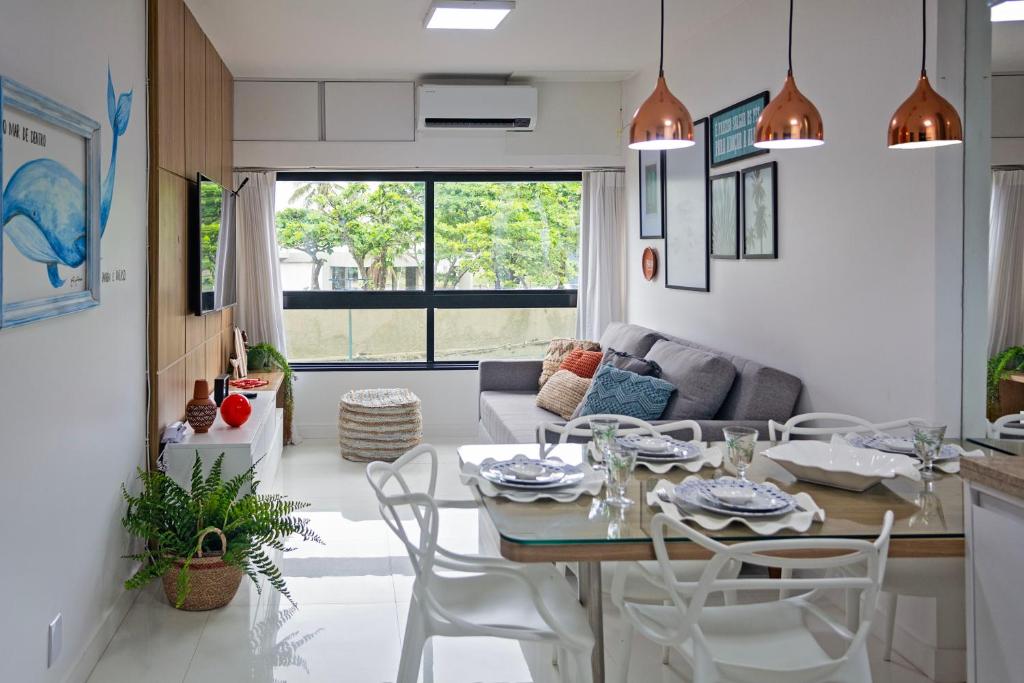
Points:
(925, 119)
(661, 122)
(790, 120)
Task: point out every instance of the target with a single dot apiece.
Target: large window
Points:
(426, 269)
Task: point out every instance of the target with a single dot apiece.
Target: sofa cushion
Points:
(512, 416)
(562, 393)
(558, 349)
(632, 339)
(627, 361)
(620, 392)
(702, 380)
(582, 363)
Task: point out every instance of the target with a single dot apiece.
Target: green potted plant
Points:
(202, 541)
(262, 357)
(1008, 360)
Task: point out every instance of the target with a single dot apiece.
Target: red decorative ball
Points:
(235, 409)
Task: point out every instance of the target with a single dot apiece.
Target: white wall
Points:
(72, 410)
(1007, 119)
(577, 127)
(856, 302)
(448, 400)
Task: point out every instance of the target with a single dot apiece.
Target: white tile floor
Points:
(352, 592)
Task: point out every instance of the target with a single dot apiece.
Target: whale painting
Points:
(54, 206)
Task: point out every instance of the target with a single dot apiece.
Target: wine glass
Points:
(741, 442)
(927, 440)
(603, 430)
(620, 461)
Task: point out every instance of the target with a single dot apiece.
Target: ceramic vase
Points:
(200, 412)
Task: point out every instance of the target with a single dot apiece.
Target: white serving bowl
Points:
(841, 465)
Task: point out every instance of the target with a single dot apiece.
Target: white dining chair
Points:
(778, 641)
(781, 432)
(580, 427)
(475, 595)
(1000, 427)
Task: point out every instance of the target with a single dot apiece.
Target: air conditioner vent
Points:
(495, 107)
(435, 122)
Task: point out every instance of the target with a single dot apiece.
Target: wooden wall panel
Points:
(191, 119)
(214, 76)
(168, 24)
(194, 97)
(227, 124)
(170, 304)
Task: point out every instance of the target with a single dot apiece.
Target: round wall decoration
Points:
(650, 263)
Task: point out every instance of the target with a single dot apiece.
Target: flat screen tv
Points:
(211, 258)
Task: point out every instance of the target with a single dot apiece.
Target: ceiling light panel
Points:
(467, 14)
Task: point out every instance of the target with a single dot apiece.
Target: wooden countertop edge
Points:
(685, 550)
(1004, 473)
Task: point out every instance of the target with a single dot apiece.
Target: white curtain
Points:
(259, 272)
(602, 249)
(1006, 261)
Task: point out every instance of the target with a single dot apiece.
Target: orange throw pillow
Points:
(582, 363)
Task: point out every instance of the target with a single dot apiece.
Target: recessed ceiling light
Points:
(1008, 11)
(468, 14)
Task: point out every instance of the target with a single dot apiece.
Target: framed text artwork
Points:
(652, 194)
(725, 215)
(760, 212)
(686, 214)
(50, 177)
(732, 130)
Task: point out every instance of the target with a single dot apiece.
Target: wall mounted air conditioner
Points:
(499, 107)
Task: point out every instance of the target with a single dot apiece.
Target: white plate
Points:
(522, 473)
(840, 464)
(698, 494)
(667, 448)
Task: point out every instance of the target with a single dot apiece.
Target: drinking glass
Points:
(740, 441)
(620, 461)
(927, 440)
(603, 430)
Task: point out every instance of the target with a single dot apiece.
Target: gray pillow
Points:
(627, 361)
(632, 339)
(702, 380)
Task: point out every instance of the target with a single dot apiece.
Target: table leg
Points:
(590, 598)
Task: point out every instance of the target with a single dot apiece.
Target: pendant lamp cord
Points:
(791, 36)
(924, 32)
(661, 58)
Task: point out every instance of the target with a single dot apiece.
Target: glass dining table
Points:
(929, 521)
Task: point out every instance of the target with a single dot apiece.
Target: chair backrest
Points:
(846, 424)
(999, 428)
(580, 427)
(864, 560)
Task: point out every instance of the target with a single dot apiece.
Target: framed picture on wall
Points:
(725, 215)
(652, 194)
(686, 214)
(50, 200)
(732, 130)
(760, 212)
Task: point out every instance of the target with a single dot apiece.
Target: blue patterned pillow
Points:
(621, 392)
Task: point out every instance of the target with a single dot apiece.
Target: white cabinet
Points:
(995, 619)
(258, 441)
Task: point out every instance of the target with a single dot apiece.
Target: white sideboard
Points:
(257, 441)
(995, 565)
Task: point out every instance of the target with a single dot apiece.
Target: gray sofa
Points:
(754, 393)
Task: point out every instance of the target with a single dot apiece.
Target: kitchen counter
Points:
(1004, 473)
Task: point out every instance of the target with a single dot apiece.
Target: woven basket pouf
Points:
(378, 424)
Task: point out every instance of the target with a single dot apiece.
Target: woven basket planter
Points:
(212, 584)
(378, 424)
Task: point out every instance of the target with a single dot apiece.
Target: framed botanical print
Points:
(686, 214)
(760, 212)
(652, 194)
(50, 203)
(725, 215)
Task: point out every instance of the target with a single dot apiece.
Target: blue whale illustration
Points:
(43, 212)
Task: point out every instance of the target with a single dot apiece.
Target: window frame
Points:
(427, 299)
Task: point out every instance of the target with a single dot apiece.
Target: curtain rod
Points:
(423, 169)
(1008, 167)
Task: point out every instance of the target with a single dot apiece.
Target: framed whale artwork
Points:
(54, 203)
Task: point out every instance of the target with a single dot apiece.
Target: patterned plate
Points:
(890, 443)
(674, 450)
(773, 502)
(529, 473)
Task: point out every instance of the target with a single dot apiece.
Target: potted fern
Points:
(202, 541)
(261, 357)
